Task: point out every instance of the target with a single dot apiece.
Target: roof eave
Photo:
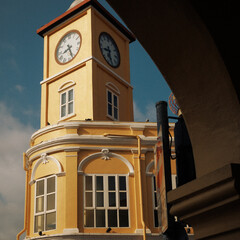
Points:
(80, 7)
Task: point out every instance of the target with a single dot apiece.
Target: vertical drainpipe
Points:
(26, 199)
(139, 176)
(140, 187)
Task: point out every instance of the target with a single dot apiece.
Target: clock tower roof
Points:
(78, 6)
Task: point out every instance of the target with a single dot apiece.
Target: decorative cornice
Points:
(94, 148)
(93, 124)
(82, 64)
(90, 140)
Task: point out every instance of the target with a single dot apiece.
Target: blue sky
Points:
(21, 70)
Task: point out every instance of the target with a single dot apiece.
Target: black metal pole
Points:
(163, 129)
(175, 230)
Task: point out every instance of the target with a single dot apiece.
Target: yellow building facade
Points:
(90, 168)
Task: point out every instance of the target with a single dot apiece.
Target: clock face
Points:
(68, 47)
(109, 49)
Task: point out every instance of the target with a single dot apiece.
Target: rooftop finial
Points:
(75, 3)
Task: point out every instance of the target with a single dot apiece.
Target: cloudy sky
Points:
(21, 58)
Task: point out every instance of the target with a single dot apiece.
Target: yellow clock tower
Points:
(89, 168)
(86, 67)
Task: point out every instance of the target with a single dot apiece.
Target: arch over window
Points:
(66, 85)
(44, 160)
(105, 154)
(148, 169)
(113, 87)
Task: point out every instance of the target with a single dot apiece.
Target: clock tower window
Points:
(112, 105)
(67, 103)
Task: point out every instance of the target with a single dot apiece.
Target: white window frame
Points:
(67, 115)
(113, 107)
(45, 211)
(106, 199)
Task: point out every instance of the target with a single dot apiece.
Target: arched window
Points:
(106, 189)
(45, 204)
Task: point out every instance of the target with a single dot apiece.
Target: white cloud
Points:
(19, 88)
(14, 138)
(148, 112)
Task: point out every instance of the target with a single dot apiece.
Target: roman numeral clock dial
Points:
(68, 47)
(109, 49)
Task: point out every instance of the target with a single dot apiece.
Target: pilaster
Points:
(71, 196)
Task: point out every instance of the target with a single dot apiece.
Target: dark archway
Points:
(199, 62)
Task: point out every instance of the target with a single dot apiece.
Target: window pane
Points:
(112, 218)
(40, 188)
(109, 109)
(123, 218)
(109, 97)
(51, 185)
(88, 199)
(100, 200)
(122, 183)
(70, 108)
(99, 181)
(155, 199)
(123, 199)
(88, 182)
(63, 111)
(39, 222)
(115, 101)
(39, 204)
(51, 202)
(115, 113)
(100, 218)
(155, 218)
(154, 183)
(70, 95)
(51, 221)
(89, 218)
(112, 199)
(63, 98)
(111, 183)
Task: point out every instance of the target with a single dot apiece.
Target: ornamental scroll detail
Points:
(105, 154)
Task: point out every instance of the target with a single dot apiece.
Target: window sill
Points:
(67, 117)
(111, 118)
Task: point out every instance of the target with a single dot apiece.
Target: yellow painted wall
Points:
(82, 23)
(100, 24)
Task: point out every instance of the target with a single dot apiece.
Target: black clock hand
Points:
(109, 53)
(69, 48)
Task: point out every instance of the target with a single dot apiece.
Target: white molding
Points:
(89, 139)
(44, 160)
(84, 61)
(112, 72)
(66, 70)
(101, 124)
(102, 155)
(66, 85)
(113, 87)
(140, 231)
(69, 231)
(77, 149)
(149, 166)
